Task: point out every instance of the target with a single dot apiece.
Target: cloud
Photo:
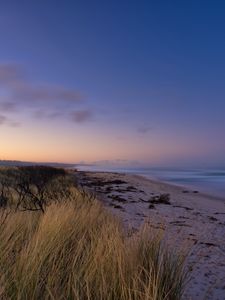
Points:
(7, 106)
(13, 78)
(55, 115)
(18, 93)
(10, 73)
(3, 119)
(14, 124)
(6, 121)
(25, 92)
(39, 114)
(42, 114)
(144, 129)
(81, 116)
(118, 163)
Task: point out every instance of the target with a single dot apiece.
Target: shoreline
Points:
(183, 187)
(189, 218)
(159, 181)
(204, 185)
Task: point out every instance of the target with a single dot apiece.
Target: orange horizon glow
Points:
(45, 142)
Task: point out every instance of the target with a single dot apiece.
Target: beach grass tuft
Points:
(76, 249)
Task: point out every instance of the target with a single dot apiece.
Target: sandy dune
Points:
(192, 220)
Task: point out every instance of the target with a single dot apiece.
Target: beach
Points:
(189, 220)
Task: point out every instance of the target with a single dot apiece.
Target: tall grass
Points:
(77, 250)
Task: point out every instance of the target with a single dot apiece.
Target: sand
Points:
(191, 221)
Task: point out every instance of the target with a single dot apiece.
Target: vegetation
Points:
(57, 242)
(33, 187)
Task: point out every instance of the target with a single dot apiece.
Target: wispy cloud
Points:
(118, 163)
(6, 121)
(7, 106)
(10, 73)
(55, 115)
(81, 116)
(17, 93)
(14, 79)
(144, 129)
(3, 119)
(42, 93)
(14, 124)
(43, 114)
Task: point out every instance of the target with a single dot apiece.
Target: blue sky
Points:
(145, 75)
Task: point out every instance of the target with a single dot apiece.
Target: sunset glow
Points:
(92, 82)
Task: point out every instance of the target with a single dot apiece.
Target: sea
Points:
(210, 181)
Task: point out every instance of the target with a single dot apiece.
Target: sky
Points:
(134, 82)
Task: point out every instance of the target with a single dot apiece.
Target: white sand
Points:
(193, 220)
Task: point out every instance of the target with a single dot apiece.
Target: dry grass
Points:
(77, 250)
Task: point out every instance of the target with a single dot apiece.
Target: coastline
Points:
(182, 187)
(191, 219)
(206, 180)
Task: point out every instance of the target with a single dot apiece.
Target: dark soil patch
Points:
(131, 188)
(101, 183)
(161, 199)
(208, 244)
(117, 206)
(185, 207)
(183, 217)
(193, 240)
(212, 218)
(180, 223)
(118, 198)
(116, 181)
(151, 206)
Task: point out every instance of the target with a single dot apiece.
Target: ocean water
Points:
(210, 181)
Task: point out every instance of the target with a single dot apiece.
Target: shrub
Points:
(32, 187)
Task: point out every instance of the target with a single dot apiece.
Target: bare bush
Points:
(33, 187)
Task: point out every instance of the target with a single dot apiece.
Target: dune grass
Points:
(78, 250)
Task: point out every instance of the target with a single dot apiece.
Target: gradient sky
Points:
(136, 81)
